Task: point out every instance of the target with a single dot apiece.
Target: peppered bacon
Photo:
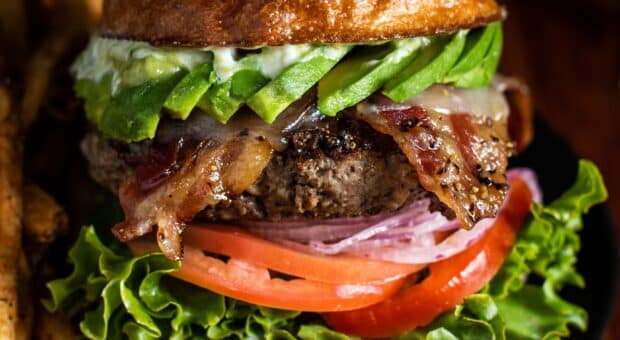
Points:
(461, 158)
(212, 174)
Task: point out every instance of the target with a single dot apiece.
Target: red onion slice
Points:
(412, 252)
(308, 230)
(427, 223)
(405, 236)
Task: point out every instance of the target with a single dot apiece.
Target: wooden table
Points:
(569, 54)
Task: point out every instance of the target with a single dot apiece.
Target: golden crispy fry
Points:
(69, 21)
(10, 215)
(39, 72)
(44, 219)
(26, 300)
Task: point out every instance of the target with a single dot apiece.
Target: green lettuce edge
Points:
(117, 296)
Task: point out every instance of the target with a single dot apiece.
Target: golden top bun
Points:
(250, 23)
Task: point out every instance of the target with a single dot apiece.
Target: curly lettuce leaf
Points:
(477, 318)
(125, 297)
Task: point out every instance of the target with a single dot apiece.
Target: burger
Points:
(315, 170)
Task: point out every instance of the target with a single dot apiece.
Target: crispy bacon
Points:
(459, 157)
(214, 172)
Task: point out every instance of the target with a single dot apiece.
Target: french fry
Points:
(44, 219)
(71, 20)
(39, 73)
(10, 215)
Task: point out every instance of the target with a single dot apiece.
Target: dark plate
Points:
(556, 166)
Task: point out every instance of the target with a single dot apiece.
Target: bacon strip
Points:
(459, 157)
(215, 172)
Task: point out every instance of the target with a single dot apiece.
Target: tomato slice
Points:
(449, 282)
(240, 245)
(253, 284)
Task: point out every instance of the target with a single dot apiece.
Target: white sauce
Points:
(405, 47)
(445, 99)
(487, 102)
(134, 62)
(273, 60)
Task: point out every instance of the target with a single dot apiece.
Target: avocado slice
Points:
(465, 72)
(482, 74)
(360, 76)
(427, 68)
(189, 90)
(223, 100)
(96, 96)
(295, 80)
(133, 114)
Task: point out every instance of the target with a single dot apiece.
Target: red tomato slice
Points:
(449, 282)
(240, 245)
(253, 284)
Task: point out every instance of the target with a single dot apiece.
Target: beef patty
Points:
(335, 169)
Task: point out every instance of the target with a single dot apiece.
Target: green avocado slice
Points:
(476, 48)
(360, 76)
(223, 100)
(482, 74)
(427, 68)
(133, 114)
(189, 90)
(96, 96)
(295, 80)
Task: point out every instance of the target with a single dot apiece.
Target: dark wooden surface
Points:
(569, 54)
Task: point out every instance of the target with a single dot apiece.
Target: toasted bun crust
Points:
(248, 23)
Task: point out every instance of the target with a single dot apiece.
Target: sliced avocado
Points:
(427, 68)
(133, 114)
(96, 96)
(476, 48)
(360, 76)
(189, 90)
(246, 83)
(295, 80)
(223, 100)
(482, 74)
(219, 102)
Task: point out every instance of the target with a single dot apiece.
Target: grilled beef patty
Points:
(338, 168)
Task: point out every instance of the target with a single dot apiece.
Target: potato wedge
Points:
(10, 214)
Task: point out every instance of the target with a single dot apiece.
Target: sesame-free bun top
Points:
(250, 23)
